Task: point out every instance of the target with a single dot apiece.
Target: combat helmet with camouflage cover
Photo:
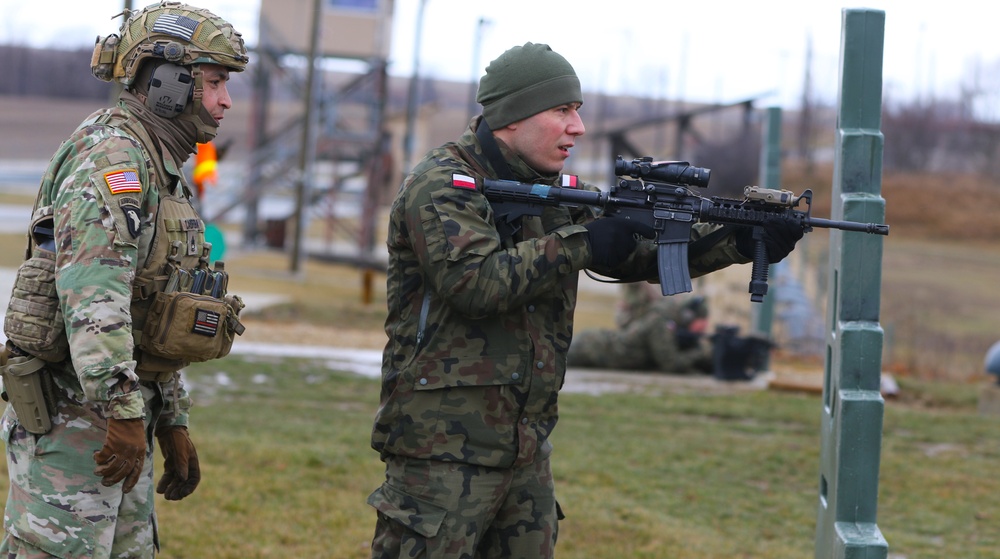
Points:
(171, 31)
(158, 55)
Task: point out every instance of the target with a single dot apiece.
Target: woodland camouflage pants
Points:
(446, 510)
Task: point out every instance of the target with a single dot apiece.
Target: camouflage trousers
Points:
(446, 510)
(57, 507)
(643, 346)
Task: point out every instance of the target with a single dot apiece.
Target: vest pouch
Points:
(190, 327)
(34, 319)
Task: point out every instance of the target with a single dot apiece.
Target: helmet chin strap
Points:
(198, 88)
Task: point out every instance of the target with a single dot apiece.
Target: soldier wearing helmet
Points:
(92, 365)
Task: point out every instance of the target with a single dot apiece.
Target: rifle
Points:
(657, 194)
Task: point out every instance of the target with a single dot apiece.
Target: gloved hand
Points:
(779, 239)
(612, 239)
(181, 470)
(686, 339)
(123, 453)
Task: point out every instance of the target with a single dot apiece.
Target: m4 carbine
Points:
(658, 194)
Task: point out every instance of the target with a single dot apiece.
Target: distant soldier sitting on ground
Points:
(654, 333)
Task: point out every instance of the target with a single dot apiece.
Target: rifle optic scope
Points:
(672, 172)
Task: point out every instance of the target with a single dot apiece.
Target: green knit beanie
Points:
(524, 81)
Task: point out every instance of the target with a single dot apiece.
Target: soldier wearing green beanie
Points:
(524, 81)
(480, 325)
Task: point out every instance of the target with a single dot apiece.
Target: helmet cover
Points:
(172, 31)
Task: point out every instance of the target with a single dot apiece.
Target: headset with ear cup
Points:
(170, 89)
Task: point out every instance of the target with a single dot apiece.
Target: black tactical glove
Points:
(123, 453)
(686, 339)
(181, 470)
(779, 239)
(612, 239)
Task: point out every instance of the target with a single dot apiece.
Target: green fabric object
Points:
(524, 81)
(215, 236)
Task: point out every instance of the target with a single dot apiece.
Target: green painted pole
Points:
(851, 426)
(770, 157)
(770, 177)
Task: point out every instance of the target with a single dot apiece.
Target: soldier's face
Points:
(216, 96)
(544, 140)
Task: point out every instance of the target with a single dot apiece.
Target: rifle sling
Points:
(492, 151)
(699, 247)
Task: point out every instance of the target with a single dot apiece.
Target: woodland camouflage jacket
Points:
(478, 328)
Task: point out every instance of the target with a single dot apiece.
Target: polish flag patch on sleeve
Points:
(569, 181)
(463, 181)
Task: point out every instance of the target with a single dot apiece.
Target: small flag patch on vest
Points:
(176, 25)
(569, 181)
(120, 182)
(463, 181)
(206, 323)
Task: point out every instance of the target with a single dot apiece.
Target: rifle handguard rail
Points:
(671, 209)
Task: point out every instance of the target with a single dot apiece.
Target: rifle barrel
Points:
(871, 228)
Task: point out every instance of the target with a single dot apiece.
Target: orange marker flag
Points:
(205, 167)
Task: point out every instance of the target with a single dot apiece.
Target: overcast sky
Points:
(707, 50)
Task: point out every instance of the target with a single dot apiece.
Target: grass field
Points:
(644, 474)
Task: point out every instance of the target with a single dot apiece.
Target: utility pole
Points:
(806, 113)
(411, 100)
(116, 86)
(476, 71)
(307, 148)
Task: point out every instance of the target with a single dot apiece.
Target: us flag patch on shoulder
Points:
(463, 181)
(569, 181)
(125, 180)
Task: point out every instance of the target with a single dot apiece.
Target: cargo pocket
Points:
(420, 516)
(47, 527)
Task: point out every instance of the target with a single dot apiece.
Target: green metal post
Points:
(770, 177)
(770, 157)
(851, 427)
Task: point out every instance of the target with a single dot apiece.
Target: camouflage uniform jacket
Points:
(478, 328)
(103, 188)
